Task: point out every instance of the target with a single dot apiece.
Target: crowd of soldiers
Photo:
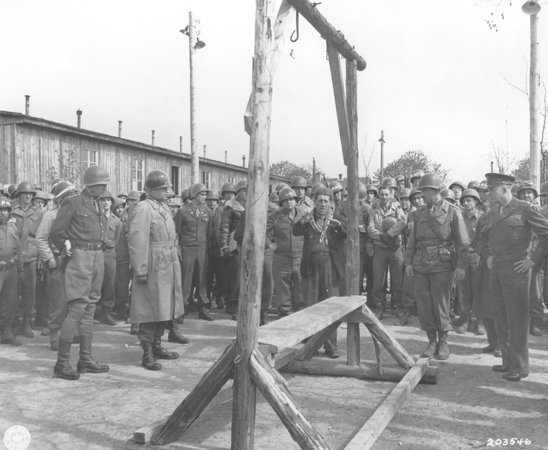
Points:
(460, 258)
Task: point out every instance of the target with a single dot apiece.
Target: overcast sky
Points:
(434, 79)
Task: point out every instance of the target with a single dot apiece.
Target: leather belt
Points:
(93, 246)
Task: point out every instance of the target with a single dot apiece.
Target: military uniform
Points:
(305, 205)
(194, 227)
(408, 297)
(124, 272)
(508, 233)
(113, 231)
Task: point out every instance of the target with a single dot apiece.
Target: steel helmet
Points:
(417, 174)
(281, 186)
(483, 186)
(195, 189)
(414, 192)
(400, 178)
(242, 184)
(457, 183)
(299, 182)
(107, 194)
(11, 189)
(122, 194)
(448, 195)
(134, 195)
(212, 195)
(228, 187)
(274, 197)
(405, 193)
(430, 180)
(95, 175)
(335, 186)
(474, 184)
(316, 186)
(25, 187)
(184, 194)
(388, 223)
(522, 187)
(372, 188)
(470, 193)
(61, 188)
(286, 194)
(157, 180)
(362, 191)
(544, 188)
(5, 203)
(42, 195)
(117, 202)
(389, 182)
(514, 190)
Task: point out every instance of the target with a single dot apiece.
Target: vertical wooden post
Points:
(534, 81)
(251, 273)
(194, 160)
(352, 242)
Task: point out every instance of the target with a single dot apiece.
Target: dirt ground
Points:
(469, 405)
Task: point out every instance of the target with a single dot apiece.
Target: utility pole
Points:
(382, 141)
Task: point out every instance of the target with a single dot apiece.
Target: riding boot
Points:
(86, 363)
(174, 335)
(148, 361)
(161, 353)
(62, 368)
(443, 347)
(26, 329)
(432, 345)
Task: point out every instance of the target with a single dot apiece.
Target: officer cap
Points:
(389, 182)
(212, 195)
(335, 186)
(274, 197)
(417, 174)
(5, 203)
(388, 223)
(134, 195)
(242, 184)
(405, 193)
(281, 186)
(228, 187)
(430, 180)
(299, 182)
(497, 179)
(122, 194)
(372, 188)
(527, 185)
(117, 202)
(414, 192)
(400, 178)
(285, 194)
(157, 180)
(107, 194)
(457, 183)
(25, 187)
(448, 195)
(544, 188)
(95, 175)
(469, 193)
(42, 195)
(362, 191)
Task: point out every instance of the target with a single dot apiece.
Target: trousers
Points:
(536, 306)
(466, 288)
(28, 289)
(57, 296)
(8, 297)
(286, 271)
(193, 272)
(107, 291)
(149, 331)
(214, 280)
(124, 275)
(433, 293)
(384, 259)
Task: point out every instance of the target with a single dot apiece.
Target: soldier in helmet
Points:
(466, 287)
(449, 196)
(372, 194)
(12, 192)
(400, 182)
(231, 216)
(157, 296)
(185, 197)
(300, 186)
(288, 249)
(113, 230)
(40, 199)
(458, 188)
(79, 232)
(213, 252)
(28, 219)
(437, 248)
(391, 184)
(194, 226)
(117, 207)
(416, 177)
(508, 235)
(11, 271)
(337, 190)
(122, 196)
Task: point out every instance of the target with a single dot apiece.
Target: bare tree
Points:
(502, 157)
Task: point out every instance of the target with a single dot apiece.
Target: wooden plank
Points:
(393, 347)
(327, 31)
(372, 429)
(276, 393)
(340, 100)
(365, 371)
(282, 29)
(291, 330)
(315, 342)
(180, 445)
(195, 402)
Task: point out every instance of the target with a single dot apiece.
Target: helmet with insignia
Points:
(299, 182)
(527, 185)
(286, 194)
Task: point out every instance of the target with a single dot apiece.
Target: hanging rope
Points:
(296, 31)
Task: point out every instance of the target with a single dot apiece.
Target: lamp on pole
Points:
(532, 8)
(382, 141)
(194, 43)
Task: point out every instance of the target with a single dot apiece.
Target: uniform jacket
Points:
(279, 228)
(305, 205)
(114, 229)
(78, 220)
(43, 243)
(231, 216)
(239, 233)
(378, 215)
(122, 247)
(508, 235)
(471, 224)
(217, 218)
(153, 251)
(10, 245)
(439, 239)
(194, 225)
(28, 222)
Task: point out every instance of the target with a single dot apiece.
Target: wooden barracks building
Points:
(39, 150)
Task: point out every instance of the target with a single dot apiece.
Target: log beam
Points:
(328, 32)
(393, 347)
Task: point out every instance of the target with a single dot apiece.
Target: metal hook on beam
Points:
(296, 31)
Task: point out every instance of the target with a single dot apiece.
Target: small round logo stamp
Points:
(17, 438)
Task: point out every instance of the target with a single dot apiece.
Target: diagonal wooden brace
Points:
(315, 342)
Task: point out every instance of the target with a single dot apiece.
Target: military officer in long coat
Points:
(157, 296)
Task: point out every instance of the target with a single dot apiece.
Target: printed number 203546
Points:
(507, 442)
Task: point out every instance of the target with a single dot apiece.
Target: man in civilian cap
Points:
(508, 233)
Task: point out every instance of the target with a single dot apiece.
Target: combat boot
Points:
(480, 330)
(134, 329)
(462, 328)
(16, 327)
(174, 335)
(106, 317)
(203, 314)
(534, 329)
(379, 310)
(25, 328)
(161, 353)
(8, 338)
(86, 363)
(219, 302)
(62, 367)
(443, 348)
(54, 340)
(405, 317)
(432, 346)
(148, 361)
